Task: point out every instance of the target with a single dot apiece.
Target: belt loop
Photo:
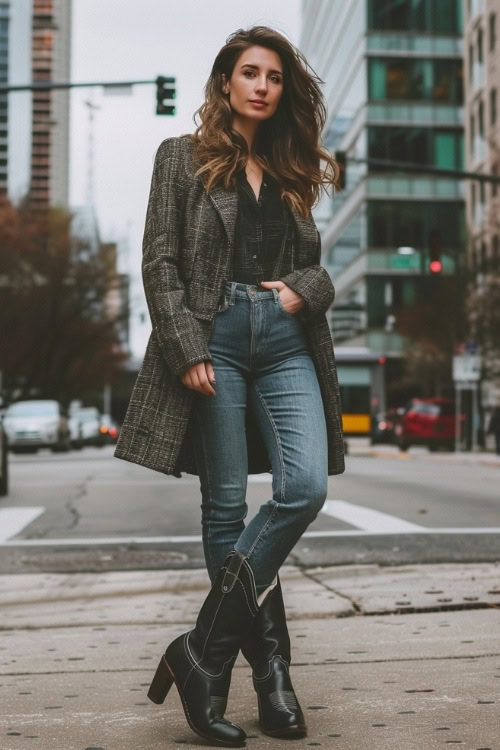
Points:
(275, 295)
(233, 287)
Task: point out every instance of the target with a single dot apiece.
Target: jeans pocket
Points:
(280, 306)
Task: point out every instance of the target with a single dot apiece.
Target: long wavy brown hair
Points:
(287, 145)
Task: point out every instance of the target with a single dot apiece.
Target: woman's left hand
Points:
(292, 301)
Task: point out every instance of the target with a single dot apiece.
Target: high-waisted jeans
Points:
(261, 361)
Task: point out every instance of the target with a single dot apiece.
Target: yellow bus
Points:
(361, 374)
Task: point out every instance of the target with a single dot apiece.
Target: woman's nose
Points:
(261, 85)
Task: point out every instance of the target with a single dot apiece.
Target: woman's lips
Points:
(258, 104)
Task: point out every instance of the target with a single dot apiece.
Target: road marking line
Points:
(144, 540)
(367, 519)
(13, 520)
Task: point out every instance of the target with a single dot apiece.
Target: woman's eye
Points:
(275, 79)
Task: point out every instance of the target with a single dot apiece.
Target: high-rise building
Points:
(50, 144)
(393, 86)
(482, 129)
(39, 50)
(482, 135)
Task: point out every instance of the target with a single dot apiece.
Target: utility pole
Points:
(90, 157)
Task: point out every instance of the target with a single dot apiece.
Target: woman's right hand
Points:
(199, 377)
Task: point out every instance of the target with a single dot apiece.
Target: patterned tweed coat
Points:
(188, 241)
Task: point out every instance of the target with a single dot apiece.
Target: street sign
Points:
(466, 367)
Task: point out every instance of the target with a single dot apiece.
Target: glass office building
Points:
(393, 73)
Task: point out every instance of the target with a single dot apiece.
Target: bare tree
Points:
(57, 336)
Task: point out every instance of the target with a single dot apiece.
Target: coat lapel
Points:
(226, 203)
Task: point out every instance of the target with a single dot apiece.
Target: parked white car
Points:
(90, 419)
(31, 425)
(75, 431)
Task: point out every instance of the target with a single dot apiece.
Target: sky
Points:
(122, 40)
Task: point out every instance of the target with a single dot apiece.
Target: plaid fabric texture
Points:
(189, 237)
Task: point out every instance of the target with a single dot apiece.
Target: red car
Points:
(428, 421)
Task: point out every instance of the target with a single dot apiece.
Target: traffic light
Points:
(341, 159)
(435, 265)
(165, 92)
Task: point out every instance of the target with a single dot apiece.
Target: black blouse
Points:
(264, 231)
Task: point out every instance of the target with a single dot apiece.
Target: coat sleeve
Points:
(314, 284)
(180, 334)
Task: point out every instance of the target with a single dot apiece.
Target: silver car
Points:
(90, 419)
(37, 424)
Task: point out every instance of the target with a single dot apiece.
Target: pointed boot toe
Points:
(200, 662)
(280, 714)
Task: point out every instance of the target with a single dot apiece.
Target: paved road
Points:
(89, 511)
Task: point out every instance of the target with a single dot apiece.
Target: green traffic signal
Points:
(165, 91)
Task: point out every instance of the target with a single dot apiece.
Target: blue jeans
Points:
(261, 361)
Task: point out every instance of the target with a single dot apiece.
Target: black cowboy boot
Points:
(200, 662)
(267, 650)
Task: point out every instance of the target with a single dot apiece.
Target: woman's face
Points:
(257, 77)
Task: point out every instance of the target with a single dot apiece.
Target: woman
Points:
(239, 375)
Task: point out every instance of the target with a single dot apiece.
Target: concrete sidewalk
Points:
(384, 658)
(361, 446)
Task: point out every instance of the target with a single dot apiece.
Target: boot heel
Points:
(161, 684)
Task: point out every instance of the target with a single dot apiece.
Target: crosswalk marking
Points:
(367, 522)
(368, 519)
(145, 540)
(13, 520)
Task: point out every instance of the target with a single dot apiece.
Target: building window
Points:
(493, 106)
(375, 302)
(472, 135)
(493, 31)
(413, 79)
(494, 185)
(480, 46)
(471, 62)
(392, 224)
(428, 16)
(480, 119)
(439, 148)
(495, 253)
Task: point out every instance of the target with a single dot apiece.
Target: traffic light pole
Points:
(165, 89)
(48, 85)
(405, 166)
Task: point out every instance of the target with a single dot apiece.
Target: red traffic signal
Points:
(435, 265)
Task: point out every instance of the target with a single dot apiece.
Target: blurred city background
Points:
(392, 592)
(88, 90)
